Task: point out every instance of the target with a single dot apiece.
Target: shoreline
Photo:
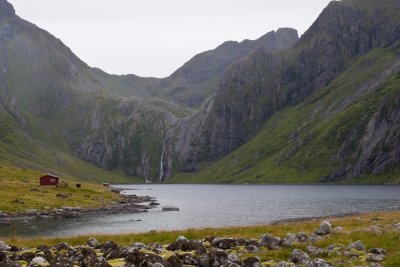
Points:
(276, 223)
(361, 239)
(125, 204)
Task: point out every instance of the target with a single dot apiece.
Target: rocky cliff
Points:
(322, 107)
(256, 87)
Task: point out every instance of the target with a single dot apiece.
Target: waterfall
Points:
(162, 163)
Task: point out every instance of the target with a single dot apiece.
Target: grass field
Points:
(373, 229)
(20, 190)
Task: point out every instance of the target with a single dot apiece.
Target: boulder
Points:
(227, 243)
(252, 262)
(139, 245)
(217, 257)
(175, 261)
(92, 242)
(270, 241)
(38, 262)
(325, 228)
(315, 251)
(181, 237)
(375, 264)
(380, 251)
(318, 263)
(299, 256)
(358, 245)
(302, 237)
(375, 257)
(4, 247)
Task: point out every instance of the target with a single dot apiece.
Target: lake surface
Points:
(221, 205)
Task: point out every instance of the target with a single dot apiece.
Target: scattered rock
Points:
(227, 243)
(38, 262)
(270, 241)
(325, 228)
(92, 242)
(252, 262)
(4, 247)
(375, 257)
(299, 256)
(180, 238)
(358, 245)
(315, 251)
(375, 264)
(379, 251)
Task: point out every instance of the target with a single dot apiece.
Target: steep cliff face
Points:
(325, 108)
(252, 89)
(63, 105)
(198, 79)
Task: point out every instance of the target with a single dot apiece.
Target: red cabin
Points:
(49, 180)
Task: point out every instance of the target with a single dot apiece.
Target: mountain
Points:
(322, 108)
(322, 111)
(57, 111)
(198, 78)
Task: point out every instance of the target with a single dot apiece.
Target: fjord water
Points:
(220, 205)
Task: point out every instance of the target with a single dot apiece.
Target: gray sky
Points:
(155, 37)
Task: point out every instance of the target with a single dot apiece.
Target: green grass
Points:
(356, 227)
(20, 190)
(298, 144)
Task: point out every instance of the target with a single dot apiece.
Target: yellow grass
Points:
(20, 190)
(356, 227)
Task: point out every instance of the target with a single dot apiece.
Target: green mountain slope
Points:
(310, 141)
(325, 110)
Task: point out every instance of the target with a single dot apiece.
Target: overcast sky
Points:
(155, 37)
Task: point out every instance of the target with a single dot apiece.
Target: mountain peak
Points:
(6, 9)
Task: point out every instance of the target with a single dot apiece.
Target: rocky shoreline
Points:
(126, 204)
(304, 249)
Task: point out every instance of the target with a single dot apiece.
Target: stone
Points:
(38, 262)
(170, 208)
(189, 259)
(215, 241)
(5, 261)
(338, 230)
(358, 245)
(252, 248)
(375, 257)
(174, 261)
(227, 243)
(180, 238)
(270, 241)
(302, 237)
(251, 262)
(325, 228)
(139, 245)
(63, 245)
(299, 256)
(233, 258)
(314, 238)
(375, 264)
(318, 263)
(92, 242)
(4, 247)
(379, 251)
(315, 251)
(217, 257)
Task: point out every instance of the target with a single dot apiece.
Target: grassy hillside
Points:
(20, 190)
(301, 143)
